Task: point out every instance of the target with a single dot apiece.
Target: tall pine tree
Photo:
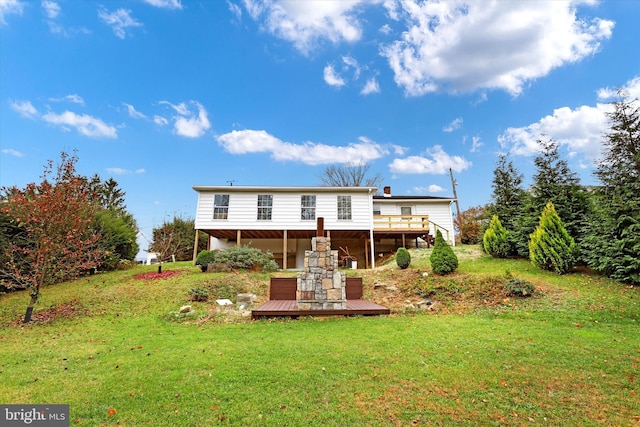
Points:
(554, 182)
(614, 240)
(508, 197)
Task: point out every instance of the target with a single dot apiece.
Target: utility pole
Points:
(455, 194)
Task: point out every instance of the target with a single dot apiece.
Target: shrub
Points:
(496, 239)
(403, 258)
(443, 259)
(198, 294)
(519, 287)
(205, 258)
(551, 248)
(238, 258)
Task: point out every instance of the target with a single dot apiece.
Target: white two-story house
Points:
(284, 219)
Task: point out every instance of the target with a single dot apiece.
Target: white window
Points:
(376, 209)
(265, 207)
(344, 207)
(221, 206)
(308, 208)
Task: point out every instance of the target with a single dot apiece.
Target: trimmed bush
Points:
(551, 247)
(496, 239)
(403, 258)
(205, 258)
(443, 259)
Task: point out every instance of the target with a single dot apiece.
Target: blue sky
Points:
(162, 95)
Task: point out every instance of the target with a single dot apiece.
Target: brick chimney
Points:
(387, 191)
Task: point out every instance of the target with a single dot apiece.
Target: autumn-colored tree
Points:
(469, 224)
(57, 217)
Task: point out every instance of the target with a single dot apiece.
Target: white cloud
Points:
(475, 144)
(10, 6)
(25, 109)
(454, 125)
(51, 8)
(118, 171)
(11, 152)
(311, 153)
(83, 123)
(580, 129)
(632, 88)
(166, 4)
(119, 20)
(161, 121)
(332, 78)
(435, 161)
(133, 112)
(76, 99)
(235, 10)
(446, 45)
(306, 23)
(187, 123)
(433, 188)
(370, 87)
(122, 171)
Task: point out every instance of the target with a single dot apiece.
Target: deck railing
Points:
(400, 222)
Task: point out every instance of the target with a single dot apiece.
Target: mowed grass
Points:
(117, 354)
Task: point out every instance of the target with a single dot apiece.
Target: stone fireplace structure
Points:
(321, 286)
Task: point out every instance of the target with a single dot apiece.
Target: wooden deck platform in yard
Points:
(282, 302)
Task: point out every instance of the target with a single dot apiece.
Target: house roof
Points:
(409, 198)
(280, 189)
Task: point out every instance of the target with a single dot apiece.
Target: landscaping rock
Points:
(245, 300)
(185, 309)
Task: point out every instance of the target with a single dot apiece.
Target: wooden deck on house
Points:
(282, 302)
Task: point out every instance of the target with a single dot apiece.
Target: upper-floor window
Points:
(405, 211)
(344, 207)
(308, 208)
(376, 209)
(265, 207)
(221, 206)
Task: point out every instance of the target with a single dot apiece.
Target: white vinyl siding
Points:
(286, 211)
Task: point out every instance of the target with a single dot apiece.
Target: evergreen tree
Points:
(443, 259)
(496, 239)
(508, 198)
(614, 240)
(551, 247)
(117, 226)
(554, 182)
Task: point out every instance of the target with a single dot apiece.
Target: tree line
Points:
(68, 225)
(557, 222)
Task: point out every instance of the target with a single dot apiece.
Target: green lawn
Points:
(117, 354)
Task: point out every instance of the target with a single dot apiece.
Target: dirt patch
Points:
(155, 276)
(62, 311)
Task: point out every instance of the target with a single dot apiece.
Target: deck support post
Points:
(195, 248)
(285, 255)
